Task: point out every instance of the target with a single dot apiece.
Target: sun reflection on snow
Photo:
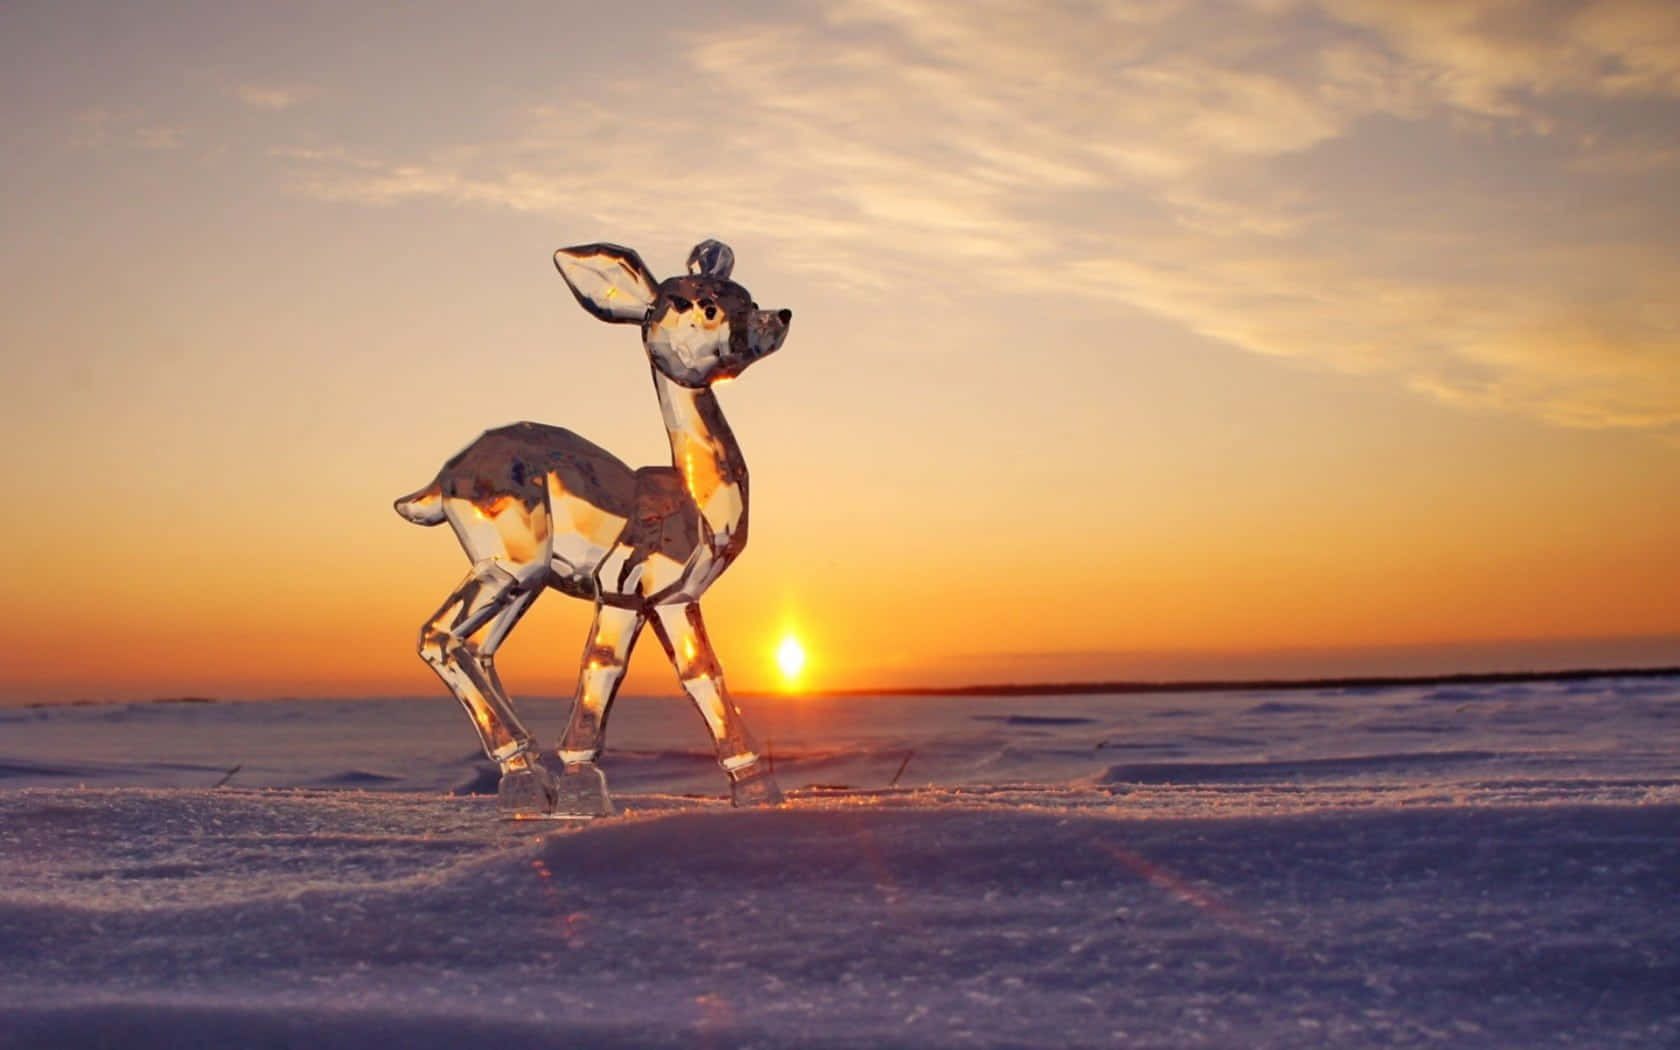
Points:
(1170, 883)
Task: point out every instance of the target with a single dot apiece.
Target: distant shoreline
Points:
(1124, 687)
(1230, 685)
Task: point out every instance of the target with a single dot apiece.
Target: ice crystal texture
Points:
(537, 506)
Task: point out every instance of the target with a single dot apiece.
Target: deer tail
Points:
(424, 507)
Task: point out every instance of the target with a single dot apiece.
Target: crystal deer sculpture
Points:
(537, 506)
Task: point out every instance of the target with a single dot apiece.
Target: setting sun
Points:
(790, 657)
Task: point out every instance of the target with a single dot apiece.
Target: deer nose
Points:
(784, 315)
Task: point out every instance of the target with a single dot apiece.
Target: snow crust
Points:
(1488, 867)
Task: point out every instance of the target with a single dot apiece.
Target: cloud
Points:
(1493, 56)
(99, 128)
(159, 137)
(273, 97)
(90, 128)
(1627, 159)
(1250, 170)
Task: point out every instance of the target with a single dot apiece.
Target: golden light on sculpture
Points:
(645, 570)
(790, 659)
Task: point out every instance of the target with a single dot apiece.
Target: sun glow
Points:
(790, 658)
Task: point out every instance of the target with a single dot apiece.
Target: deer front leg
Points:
(490, 597)
(683, 634)
(583, 787)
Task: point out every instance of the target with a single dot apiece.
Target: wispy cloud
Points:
(1246, 169)
(90, 128)
(274, 97)
(159, 137)
(101, 128)
(1502, 57)
(1630, 158)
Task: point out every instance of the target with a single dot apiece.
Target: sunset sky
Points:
(1131, 340)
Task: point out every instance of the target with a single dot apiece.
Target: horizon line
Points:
(1116, 686)
(1214, 685)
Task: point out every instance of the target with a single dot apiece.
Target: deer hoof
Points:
(527, 792)
(582, 792)
(753, 785)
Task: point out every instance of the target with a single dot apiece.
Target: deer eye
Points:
(679, 304)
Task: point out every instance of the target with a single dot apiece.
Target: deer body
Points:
(537, 506)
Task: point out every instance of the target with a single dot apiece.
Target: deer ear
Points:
(609, 281)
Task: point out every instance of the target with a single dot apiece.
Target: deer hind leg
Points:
(683, 634)
(612, 637)
(459, 642)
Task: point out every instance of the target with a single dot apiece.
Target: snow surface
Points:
(1490, 866)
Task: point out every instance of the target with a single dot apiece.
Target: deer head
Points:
(697, 328)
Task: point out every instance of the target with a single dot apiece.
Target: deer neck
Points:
(706, 457)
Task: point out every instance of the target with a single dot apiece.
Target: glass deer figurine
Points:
(536, 506)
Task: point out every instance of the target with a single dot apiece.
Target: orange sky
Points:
(1191, 341)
